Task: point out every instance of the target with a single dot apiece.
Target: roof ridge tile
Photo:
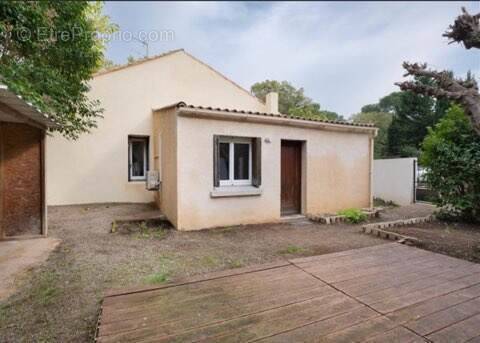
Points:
(279, 115)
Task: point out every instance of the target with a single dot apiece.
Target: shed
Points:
(23, 210)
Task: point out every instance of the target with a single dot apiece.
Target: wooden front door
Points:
(291, 176)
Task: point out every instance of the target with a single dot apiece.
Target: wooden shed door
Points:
(291, 176)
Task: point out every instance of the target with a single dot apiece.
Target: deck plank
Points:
(460, 332)
(395, 303)
(432, 305)
(445, 318)
(396, 335)
(313, 332)
(386, 293)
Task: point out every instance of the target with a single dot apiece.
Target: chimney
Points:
(271, 101)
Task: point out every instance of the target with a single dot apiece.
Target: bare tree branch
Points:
(466, 29)
(464, 92)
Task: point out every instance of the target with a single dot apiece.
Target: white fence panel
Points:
(394, 180)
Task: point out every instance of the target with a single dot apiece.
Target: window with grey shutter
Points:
(257, 162)
(216, 176)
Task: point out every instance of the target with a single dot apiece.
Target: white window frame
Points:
(145, 141)
(231, 179)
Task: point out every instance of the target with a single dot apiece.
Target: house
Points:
(223, 156)
(23, 211)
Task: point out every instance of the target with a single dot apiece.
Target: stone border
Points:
(334, 219)
(150, 218)
(376, 229)
(392, 236)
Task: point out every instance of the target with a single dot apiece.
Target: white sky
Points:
(344, 54)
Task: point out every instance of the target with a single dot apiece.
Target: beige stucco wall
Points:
(165, 161)
(336, 172)
(94, 168)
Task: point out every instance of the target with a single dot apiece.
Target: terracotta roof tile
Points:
(285, 116)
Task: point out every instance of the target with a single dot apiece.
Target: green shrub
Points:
(353, 215)
(148, 232)
(114, 227)
(291, 249)
(209, 261)
(235, 263)
(451, 156)
(157, 278)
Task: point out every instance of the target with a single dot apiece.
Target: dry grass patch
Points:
(235, 263)
(156, 278)
(292, 250)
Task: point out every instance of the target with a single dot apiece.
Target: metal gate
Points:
(422, 192)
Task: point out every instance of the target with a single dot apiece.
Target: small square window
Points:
(137, 158)
(234, 163)
(237, 161)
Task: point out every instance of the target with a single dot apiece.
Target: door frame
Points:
(301, 147)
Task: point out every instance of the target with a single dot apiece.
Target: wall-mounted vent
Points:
(153, 180)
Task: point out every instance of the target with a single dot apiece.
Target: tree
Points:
(386, 104)
(370, 108)
(329, 115)
(451, 151)
(103, 28)
(390, 102)
(48, 52)
(466, 30)
(451, 155)
(402, 119)
(107, 64)
(382, 120)
(412, 115)
(381, 114)
(292, 101)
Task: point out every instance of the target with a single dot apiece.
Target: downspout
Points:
(371, 153)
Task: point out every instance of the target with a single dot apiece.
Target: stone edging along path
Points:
(338, 218)
(377, 229)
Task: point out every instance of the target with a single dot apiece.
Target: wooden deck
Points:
(384, 293)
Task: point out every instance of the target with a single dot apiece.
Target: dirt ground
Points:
(411, 211)
(454, 239)
(60, 300)
(17, 256)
